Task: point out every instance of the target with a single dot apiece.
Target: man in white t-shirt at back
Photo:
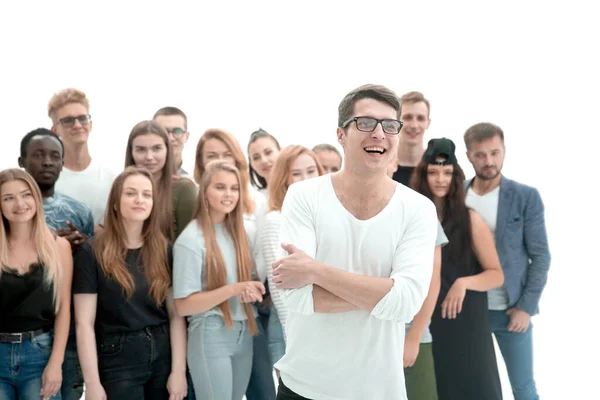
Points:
(81, 177)
(360, 256)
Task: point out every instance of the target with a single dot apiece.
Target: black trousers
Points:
(284, 393)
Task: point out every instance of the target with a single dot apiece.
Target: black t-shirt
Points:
(403, 175)
(26, 302)
(114, 312)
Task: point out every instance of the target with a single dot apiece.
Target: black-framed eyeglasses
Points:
(68, 122)
(368, 124)
(175, 131)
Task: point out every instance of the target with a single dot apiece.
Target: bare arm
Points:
(85, 318)
(177, 382)
(62, 321)
(200, 302)
(421, 320)
(327, 302)
(485, 250)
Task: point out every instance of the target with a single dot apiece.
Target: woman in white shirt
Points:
(295, 163)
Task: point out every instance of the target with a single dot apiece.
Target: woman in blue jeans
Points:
(35, 293)
(213, 287)
(131, 343)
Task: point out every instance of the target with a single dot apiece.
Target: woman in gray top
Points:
(213, 287)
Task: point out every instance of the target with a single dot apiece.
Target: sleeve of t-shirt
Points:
(412, 267)
(188, 263)
(270, 249)
(298, 228)
(85, 271)
(184, 209)
(441, 239)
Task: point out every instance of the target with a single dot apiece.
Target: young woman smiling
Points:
(263, 150)
(35, 293)
(213, 287)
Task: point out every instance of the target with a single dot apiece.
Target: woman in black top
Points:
(463, 351)
(131, 343)
(35, 293)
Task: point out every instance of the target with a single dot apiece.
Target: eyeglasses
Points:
(175, 131)
(368, 124)
(68, 122)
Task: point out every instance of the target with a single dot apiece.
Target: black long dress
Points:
(463, 349)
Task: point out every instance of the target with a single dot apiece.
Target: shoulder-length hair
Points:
(456, 220)
(240, 163)
(43, 238)
(214, 264)
(164, 184)
(282, 171)
(110, 246)
(258, 181)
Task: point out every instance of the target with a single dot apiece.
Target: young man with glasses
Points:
(175, 122)
(81, 178)
(359, 263)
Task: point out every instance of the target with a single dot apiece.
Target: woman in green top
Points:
(149, 146)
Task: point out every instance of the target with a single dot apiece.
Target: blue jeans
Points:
(261, 385)
(517, 351)
(275, 337)
(72, 384)
(219, 358)
(135, 365)
(22, 366)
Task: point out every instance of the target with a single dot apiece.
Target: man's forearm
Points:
(364, 292)
(327, 302)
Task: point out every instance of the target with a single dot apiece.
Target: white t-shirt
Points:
(355, 354)
(487, 207)
(90, 186)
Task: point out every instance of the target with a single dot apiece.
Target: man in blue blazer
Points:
(515, 214)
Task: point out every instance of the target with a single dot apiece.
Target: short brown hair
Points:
(64, 97)
(482, 131)
(166, 111)
(369, 91)
(415, 97)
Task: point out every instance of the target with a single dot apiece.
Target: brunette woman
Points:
(263, 150)
(463, 351)
(213, 287)
(36, 269)
(295, 163)
(149, 147)
(216, 144)
(131, 343)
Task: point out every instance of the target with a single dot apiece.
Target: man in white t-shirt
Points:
(81, 177)
(360, 257)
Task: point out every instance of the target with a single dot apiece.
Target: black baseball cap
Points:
(440, 148)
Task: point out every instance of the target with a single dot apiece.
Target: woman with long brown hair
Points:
(130, 340)
(295, 163)
(213, 287)
(217, 144)
(463, 350)
(149, 147)
(36, 269)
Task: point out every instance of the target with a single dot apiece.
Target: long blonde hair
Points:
(43, 238)
(214, 264)
(110, 246)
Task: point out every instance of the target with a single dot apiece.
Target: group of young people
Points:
(382, 278)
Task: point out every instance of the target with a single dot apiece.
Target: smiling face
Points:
(369, 151)
(72, 124)
(222, 194)
(415, 117)
(136, 199)
(149, 151)
(304, 167)
(439, 178)
(17, 201)
(263, 154)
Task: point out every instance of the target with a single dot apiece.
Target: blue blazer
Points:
(522, 244)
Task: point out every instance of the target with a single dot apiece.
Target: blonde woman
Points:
(36, 269)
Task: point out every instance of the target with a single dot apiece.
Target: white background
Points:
(530, 67)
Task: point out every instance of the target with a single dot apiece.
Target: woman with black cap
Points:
(463, 351)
